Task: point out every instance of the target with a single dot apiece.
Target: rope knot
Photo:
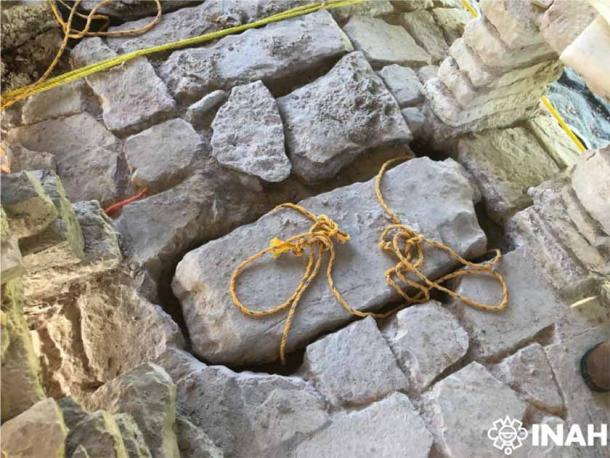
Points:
(325, 229)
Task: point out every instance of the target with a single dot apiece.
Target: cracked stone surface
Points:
(433, 197)
(249, 134)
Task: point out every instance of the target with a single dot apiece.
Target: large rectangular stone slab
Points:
(279, 50)
(434, 198)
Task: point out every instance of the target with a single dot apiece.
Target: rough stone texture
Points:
(403, 83)
(505, 164)
(366, 8)
(354, 365)
(39, 432)
(415, 120)
(563, 22)
(452, 21)
(554, 139)
(248, 414)
(193, 442)
(23, 23)
(528, 372)
(426, 340)
(304, 43)
(72, 412)
(133, 9)
(594, 167)
(132, 436)
(532, 307)
(249, 135)
(514, 20)
(21, 384)
(322, 137)
(98, 436)
(62, 101)
(132, 95)
(22, 159)
(163, 154)
(387, 428)
(204, 107)
(434, 198)
(148, 394)
(465, 405)
(422, 26)
(383, 43)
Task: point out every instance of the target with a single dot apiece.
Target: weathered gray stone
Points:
(203, 108)
(133, 9)
(528, 372)
(163, 155)
(322, 137)
(422, 26)
(249, 135)
(135, 446)
(132, 95)
(39, 432)
(554, 139)
(371, 371)
(11, 264)
(426, 340)
(23, 23)
(99, 436)
(465, 405)
(514, 20)
(72, 412)
(366, 8)
(306, 42)
(148, 394)
(452, 21)
(403, 83)
(178, 363)
(248, 414)
(101, 240)
(505, 164)
(193, 442)
(415, 120)
(383, 43)
(563, 22)
(22, 159)
(590, 182)
(62, 101)
(388, 428)
(532, 307)
(435, 198)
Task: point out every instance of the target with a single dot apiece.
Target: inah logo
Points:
(508, 434)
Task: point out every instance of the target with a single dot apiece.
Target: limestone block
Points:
(515, 21)
(307, 41)
(465, 406)
(435, 198)
(62, 101)
(426, 340)
(533, 306)
(371, 371)
(384, 429)
(403, 83)
(249, 134)
(554, 140)
(383, 43)
(98, 436)
(422, 26)
(564, 21)
(505, 164)
(528, 372)
(163, 155)
(132, 95)
(322, 138)
(452, 21)
(148, 394)
(39, 432)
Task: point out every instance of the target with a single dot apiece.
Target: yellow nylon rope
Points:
(12, 97)
(397, 239)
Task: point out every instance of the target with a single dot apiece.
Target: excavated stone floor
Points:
(119, 335)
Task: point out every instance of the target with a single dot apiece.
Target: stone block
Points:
(322, 138)
(415, 120)
(97, 435)
(403, 83)
(58, 102)
(205, 107)
(434, 198)
(135, 446)
(452, 21)
(383, 43)
(515, 21)
(422, 26)
(193, 442)
(554, 140)
(564, 21)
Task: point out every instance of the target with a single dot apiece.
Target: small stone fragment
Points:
(249, 135)
(354, 365)
(422, 26)
(101, 240)
(383, 43)
(387, 428)
(426, 340)
(203, 108)
(403, 83)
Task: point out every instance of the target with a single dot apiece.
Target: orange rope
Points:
(119, 205)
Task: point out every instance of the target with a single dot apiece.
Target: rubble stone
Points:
(465, 406)
(383, 43)
(163, 155)
(452, 21)
(554, 140)
(426, 340)
(198, 111)
(415, 120)
(23, 23)
(306, 42)
(435, 198)
(505, 164)
(532, 307)
(133, 9)
(562, 23)
(403, 83)
(386, 428)
(371, 8)
(99, 436)
(249, 135)
(148, 394)
(515, 21)
(193, 442)
(528, 372)
(39, 432)
(133, 439)
(62, 101)
(323, 137)
(354, 365)
(422, 26)
(132, 95)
